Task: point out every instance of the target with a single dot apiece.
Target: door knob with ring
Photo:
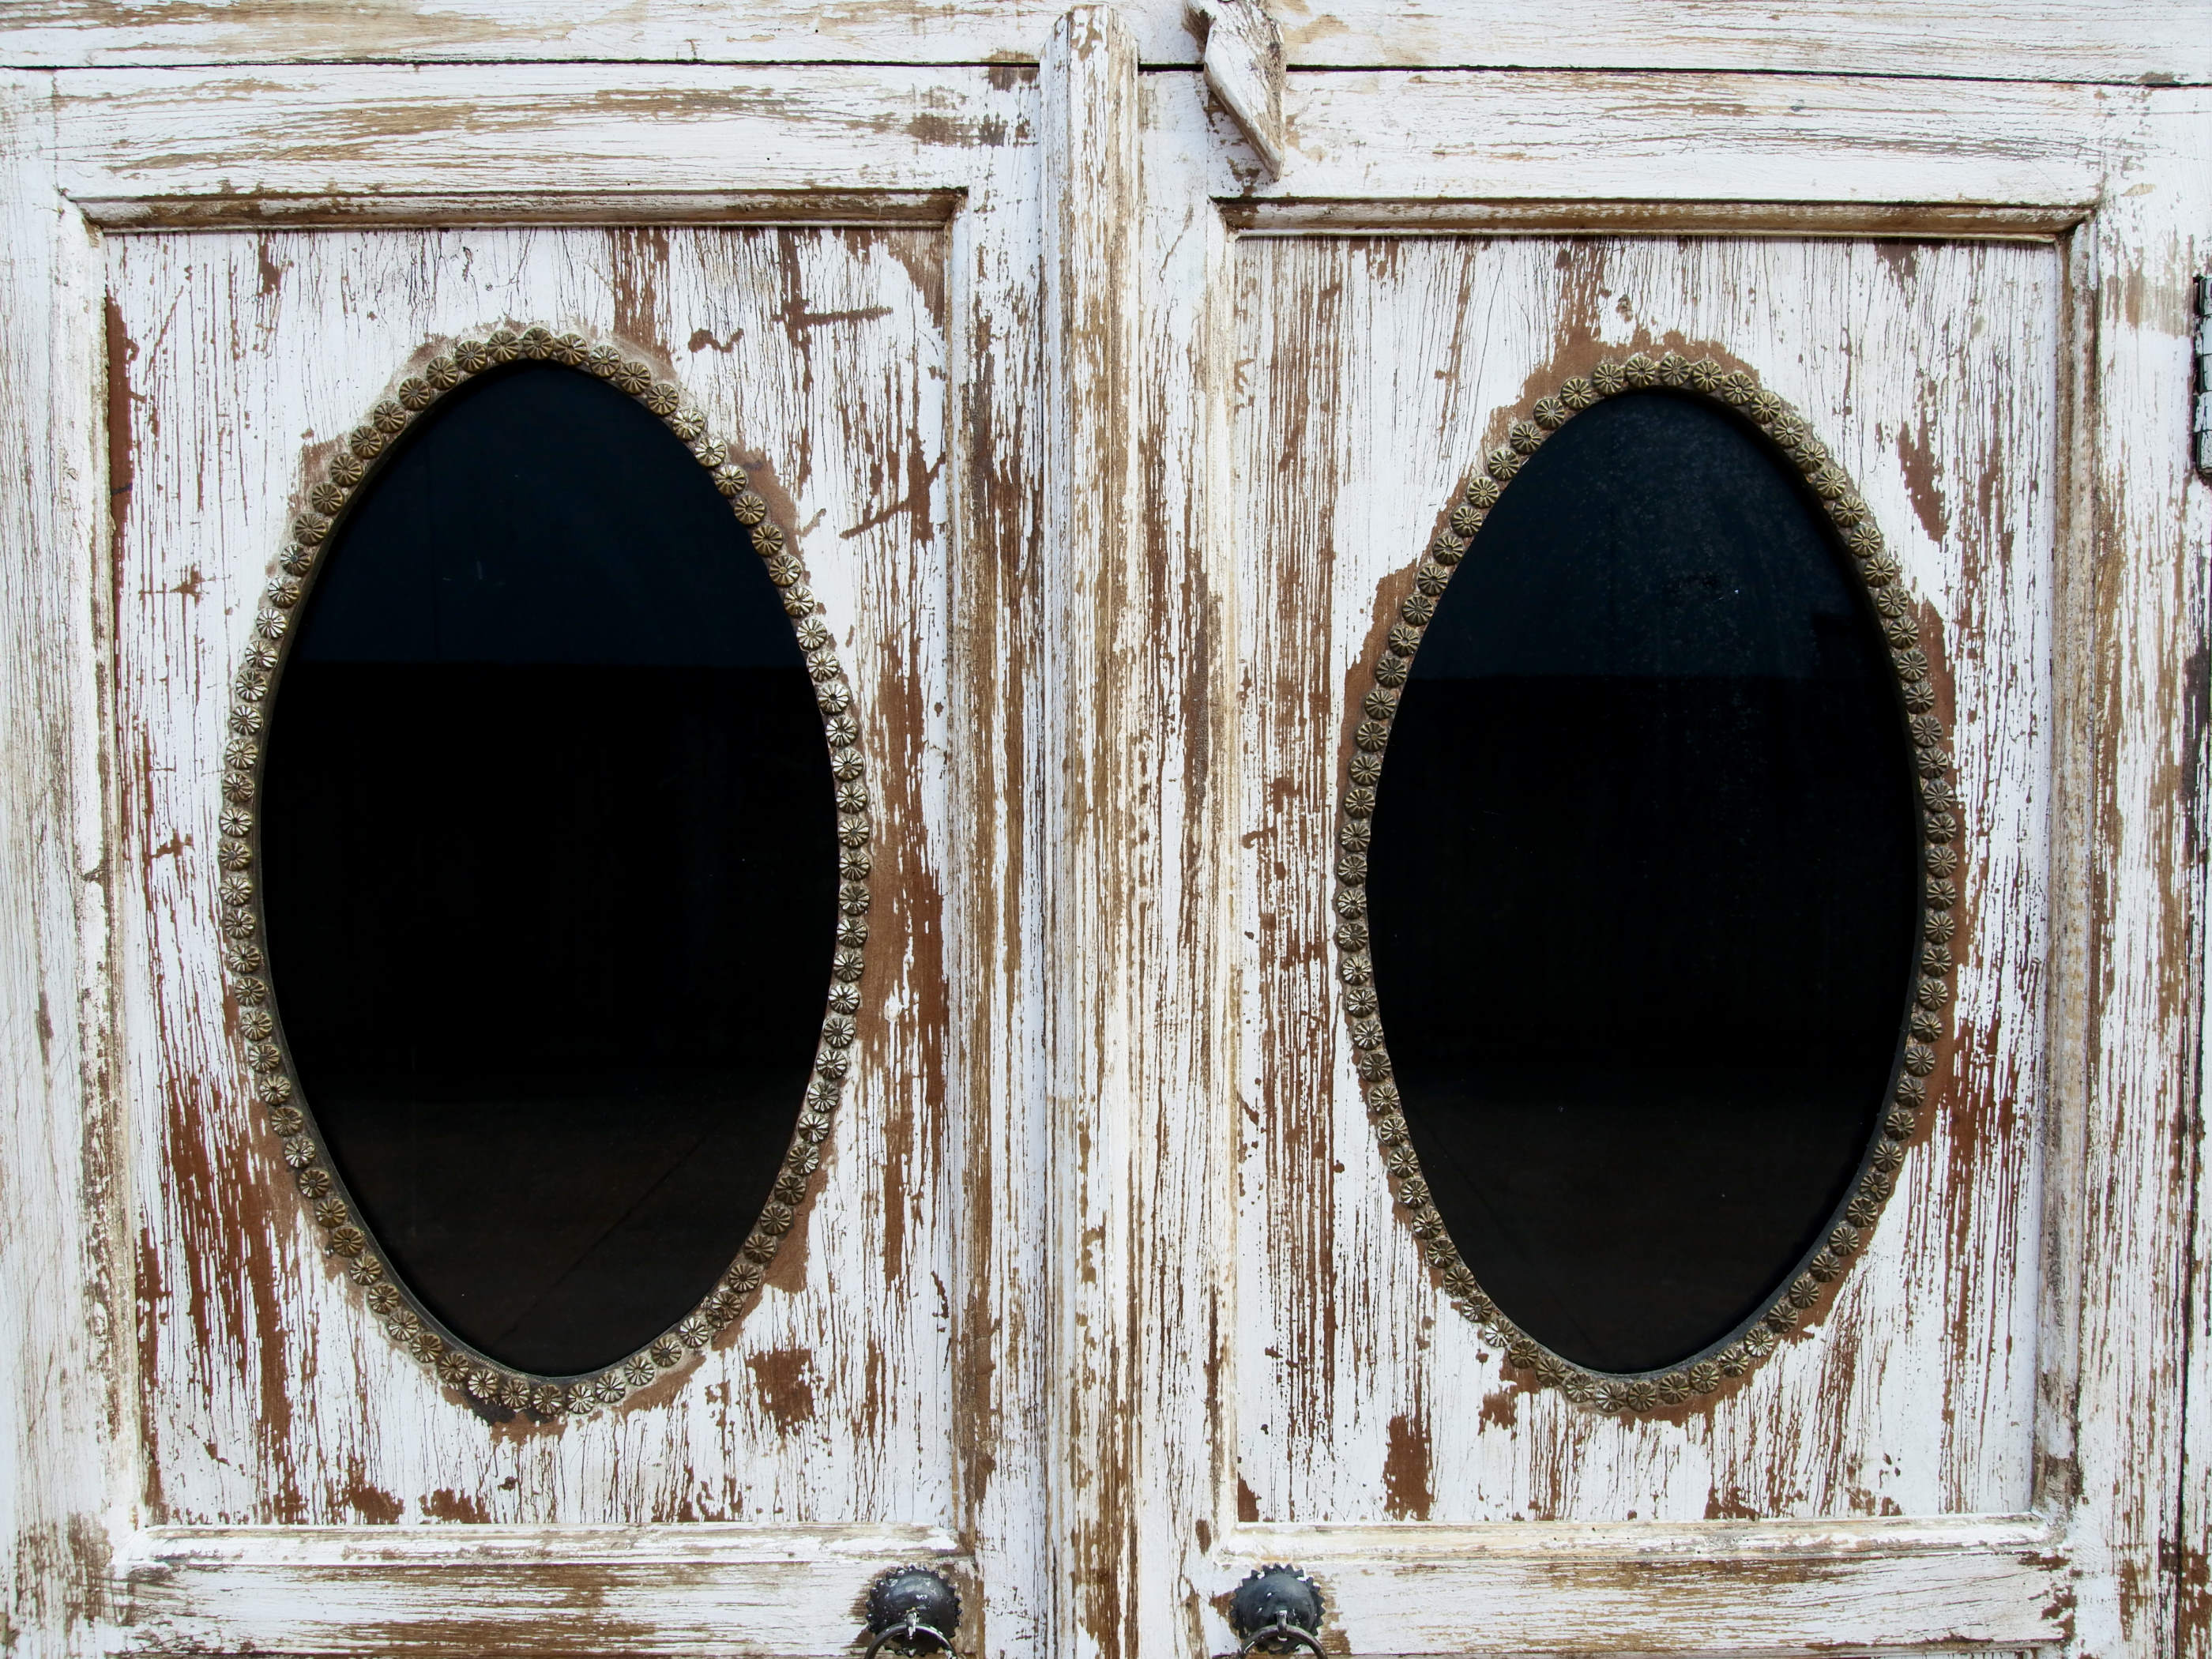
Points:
(914, 1607)
(1277, 1610)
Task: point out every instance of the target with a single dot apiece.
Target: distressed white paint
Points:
(825, 354)
(581, 1590)
(2118, 41)
(1094, 760)
(1656, 1588)
(1348, 331)
(2091, 658)
(1244, 71)
(66, 1372)
(242, 144)
(1456, 135)
(1382, 370)
(2128, 1330)
(197, 141)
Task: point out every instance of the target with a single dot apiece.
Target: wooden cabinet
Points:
(1114, 453)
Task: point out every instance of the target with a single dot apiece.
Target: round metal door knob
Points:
(911, 1607)
(1277, 1610)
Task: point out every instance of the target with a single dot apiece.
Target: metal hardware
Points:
(910, 1604)
(1277, 1610)
(2203, 411)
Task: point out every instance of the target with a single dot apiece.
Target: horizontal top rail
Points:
(2112, 41)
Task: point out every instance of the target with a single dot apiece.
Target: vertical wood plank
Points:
(1135, 896)
(1097, 752)
(66, 1377)
(1191, 695)
(1003, 1450)
(2138, 531)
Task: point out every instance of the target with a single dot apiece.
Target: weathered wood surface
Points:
(566, 134)
(1653, 137)
(1004, 1375)
(487, 1590)
(2116, 40)
(911, 501)
(1183, 1272)
(66, 1375)
(1654, 1588)
(560, 143)
(1097, 752)
(2155, 505)
(1244, 71)
(1133, 707)
(1379, 372)
(270, 1394)
(2119, 1153)
(2092, 327)
(2128, 1322)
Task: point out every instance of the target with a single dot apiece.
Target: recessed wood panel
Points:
(271, 1396)
(1376, 370)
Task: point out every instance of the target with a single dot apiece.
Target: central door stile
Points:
(1135, 758)
(1091, 880)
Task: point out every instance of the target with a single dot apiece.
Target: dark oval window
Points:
(1644, 885)
(549, 862)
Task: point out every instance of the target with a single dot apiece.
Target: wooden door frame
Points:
(1121, 1409)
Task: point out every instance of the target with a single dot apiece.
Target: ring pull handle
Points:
(1282, 1634)
(1277, 1610)
(909, 1605)
(906, 1632)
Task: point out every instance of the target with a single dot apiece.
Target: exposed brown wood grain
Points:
(1185, 1312)
(1103, 1303)
(577, 1591)
(1099, 749)
(2128, 1238)
(1392, 366)
(1244, 70)
(1920, 220)
(271, 1396)
(2026, 40)
(66, 1377)
(542, 207)
(359, 137)
(1750, 142)
(921, 498)
(1976, 1582)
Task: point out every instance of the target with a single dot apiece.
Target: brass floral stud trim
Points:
(275, 1083)
(1938, 808)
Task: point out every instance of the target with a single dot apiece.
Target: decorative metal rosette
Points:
(1938, 808)
(275, 1082)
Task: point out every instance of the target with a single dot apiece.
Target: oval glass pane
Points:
(1645, 885)
(549, 864)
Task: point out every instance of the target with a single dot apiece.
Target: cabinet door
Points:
(1479, 1270)
(493, 1278)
